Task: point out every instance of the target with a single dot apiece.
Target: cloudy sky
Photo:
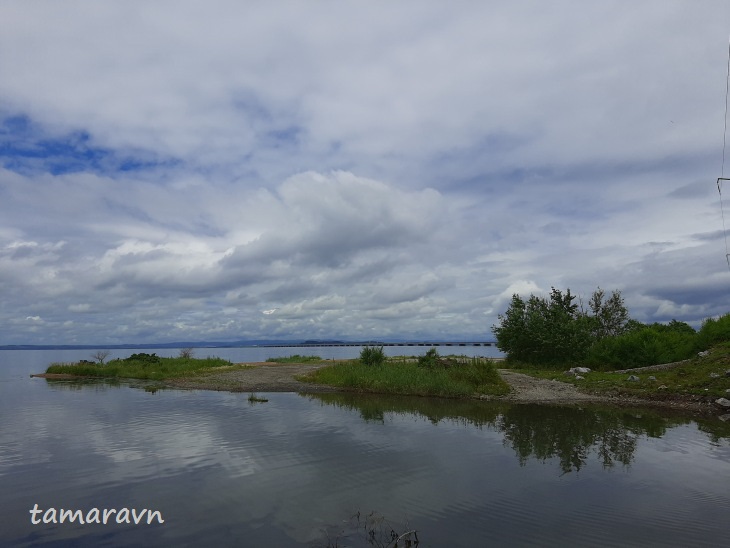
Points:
(170, 170)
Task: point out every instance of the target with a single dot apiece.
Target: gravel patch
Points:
(262, 377)
(527, 389)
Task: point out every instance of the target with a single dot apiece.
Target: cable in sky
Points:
(722, 170)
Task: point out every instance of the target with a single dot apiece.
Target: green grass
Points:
(296, 358)
(158, 369)
(468, 378)
(255, 398)
(693, 378)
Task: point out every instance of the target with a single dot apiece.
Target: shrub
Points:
(650, 345)
(372, 355)
(100, 356)
(713, 331)
(186, 352)
(144, 359)
(429, 359)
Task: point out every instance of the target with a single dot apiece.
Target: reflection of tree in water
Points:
(570, 434)
(715, 429)
(539, 432)
(373, 407)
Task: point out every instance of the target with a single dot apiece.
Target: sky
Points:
(224, 170)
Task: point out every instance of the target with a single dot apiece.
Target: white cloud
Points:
(396, 169)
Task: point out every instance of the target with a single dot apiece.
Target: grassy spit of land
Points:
(453, 377)
(142, 366)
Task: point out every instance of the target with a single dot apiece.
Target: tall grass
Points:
(475, 376)
(142, 368)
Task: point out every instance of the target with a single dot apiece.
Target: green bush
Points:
(143, 359)
(713, 331)
(372, 356)
(650, 345)
(429, 359)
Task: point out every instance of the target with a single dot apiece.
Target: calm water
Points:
(292, 471)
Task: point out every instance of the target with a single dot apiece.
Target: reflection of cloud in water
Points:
(470, 464)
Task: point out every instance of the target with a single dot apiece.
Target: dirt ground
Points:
(262, 377)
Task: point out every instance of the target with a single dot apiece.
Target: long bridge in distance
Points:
(311, 344)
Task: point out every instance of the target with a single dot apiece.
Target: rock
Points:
(727, 373)
(570, 373)
(663, 387)
(633, 378)
(724, 402)
(577, 371)
(714, 375)
(652, 378)
(725, 417)
(727, 391)
(579, 378)
(703, 354)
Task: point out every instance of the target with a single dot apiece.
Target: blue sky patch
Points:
(26, 147)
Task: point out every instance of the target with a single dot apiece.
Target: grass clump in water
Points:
(140, 366)
(467, 377)
(255, 398)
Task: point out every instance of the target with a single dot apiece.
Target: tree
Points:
(100, 356)
(542, 331)
(188, 352)
(610, 316)
(556, 330)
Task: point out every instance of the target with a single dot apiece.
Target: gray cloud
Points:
(370, 170)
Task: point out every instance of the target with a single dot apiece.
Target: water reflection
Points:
(102, 385)
(569, 434)
(286, 472)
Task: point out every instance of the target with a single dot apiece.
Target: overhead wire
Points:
(724, 147)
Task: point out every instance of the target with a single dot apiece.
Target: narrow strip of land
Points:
(273, 377)
(262, 377)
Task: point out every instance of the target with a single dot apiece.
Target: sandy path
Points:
(527, 389)
(271, 377)
(263, 377)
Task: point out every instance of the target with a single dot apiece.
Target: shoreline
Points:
(273, 377)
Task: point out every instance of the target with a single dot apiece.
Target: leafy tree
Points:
(556, 330)
(543, 331)
(610, 316)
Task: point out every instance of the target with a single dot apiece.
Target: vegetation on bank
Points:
(557, 332)
(140, 366)
(452, 377)
(706, 376)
